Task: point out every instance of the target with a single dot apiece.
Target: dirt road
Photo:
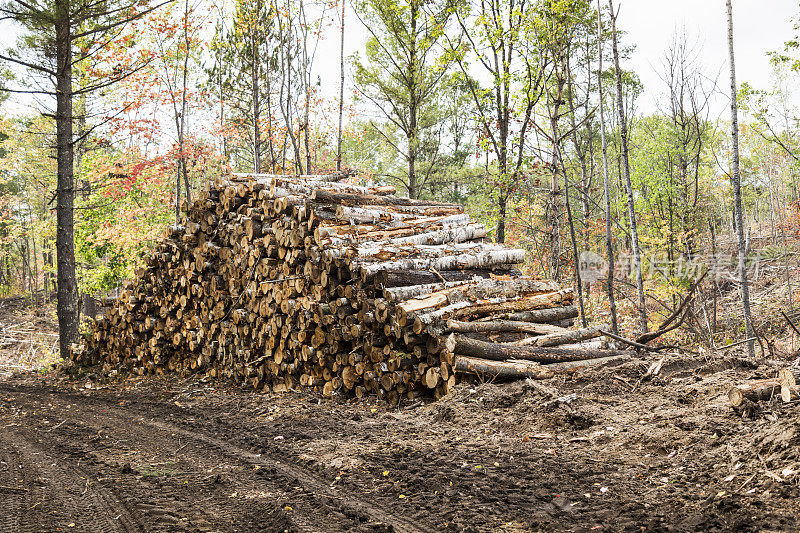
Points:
(165, 455)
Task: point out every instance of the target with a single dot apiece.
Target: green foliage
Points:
(401, 75)
(5, 77)
(243, 57)
(121, 218)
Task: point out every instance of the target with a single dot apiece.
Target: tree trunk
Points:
(66, 307)
(637, 259)
(341, 94)
(184, 102)
(501, 219)
(737, 194)
(606, 187)
(555, 193)
(413, 105)
(256, 98)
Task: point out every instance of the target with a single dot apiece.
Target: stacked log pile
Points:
(280, 282)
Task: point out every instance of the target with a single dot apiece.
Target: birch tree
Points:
(737, 193)
(623, 125)
(606, 182)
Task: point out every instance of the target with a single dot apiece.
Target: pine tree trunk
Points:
(737, 193)
(67, 306)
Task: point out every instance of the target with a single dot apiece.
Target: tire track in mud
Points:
(160, 499)
(12, 487)
(338, 507)
(55, 493)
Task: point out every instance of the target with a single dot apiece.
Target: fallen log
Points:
(503, 352)
(789, 393)
(406, 278)
(499, 326)
(754, 391)
(541, 316)
(789, 376)
(567, 337)
(500, 369)
(572, 366)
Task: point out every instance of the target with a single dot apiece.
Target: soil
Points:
(603, 450)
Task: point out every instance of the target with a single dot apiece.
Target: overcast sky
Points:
(759, 25)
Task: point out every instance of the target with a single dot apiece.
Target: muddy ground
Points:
(165, 454)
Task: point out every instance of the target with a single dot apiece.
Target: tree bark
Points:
(413, 104)
(404, 278)
(637, 259)
(255, 82)
(501, 326)
(568, 337)
(67, 306)
(500, 369)
(502, 352)
(737, 194)
(341, 94)
(606, 186)
(543, 315)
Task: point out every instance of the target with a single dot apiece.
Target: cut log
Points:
(480, 261)
(503, 352)
(405, 278)
(790, 393)
(500, 369)
(347, 199)
(461, 234)
(573, 366)
(754, 391)
(556, 339)
(497, 326)
(542, 316)
(482, 290)
(401, 294)
(540, 301)
(789, 376)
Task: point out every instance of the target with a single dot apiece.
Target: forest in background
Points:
(513, 108)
